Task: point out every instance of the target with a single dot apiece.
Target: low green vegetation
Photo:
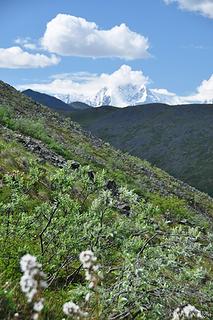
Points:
(33, 128)
(151, 262)
(152, 234)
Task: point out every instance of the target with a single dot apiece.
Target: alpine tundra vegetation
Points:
(65, 193)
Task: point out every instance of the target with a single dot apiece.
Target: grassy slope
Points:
(177, 202)
(69, 140)
(177, 139)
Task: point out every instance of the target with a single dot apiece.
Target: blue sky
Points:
(180, 41)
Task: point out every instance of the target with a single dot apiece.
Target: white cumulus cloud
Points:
(68, 35)
(205, 91)
(26, 43)
(203, 94)
(165, 96)
(204, 7)
(16, 58)
(75, 76)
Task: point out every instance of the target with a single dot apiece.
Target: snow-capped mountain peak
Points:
(121, 96)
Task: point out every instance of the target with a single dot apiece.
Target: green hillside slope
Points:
(177, 139)
(63, 191)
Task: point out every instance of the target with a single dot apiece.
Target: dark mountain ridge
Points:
(48, 100)
(53, 102)
(178, 139)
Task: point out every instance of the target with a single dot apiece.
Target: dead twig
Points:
(47, 225)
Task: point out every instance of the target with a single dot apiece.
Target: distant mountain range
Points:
(53, 102)
(119, 96)
(126, 95)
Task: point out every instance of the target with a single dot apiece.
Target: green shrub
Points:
(149, 267)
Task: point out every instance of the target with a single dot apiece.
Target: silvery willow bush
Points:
(151, 263)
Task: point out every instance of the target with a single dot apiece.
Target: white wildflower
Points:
(88, 295)
(87, 258)
(91, 285)
(35, 316)
(72, 309)
(28, 286)
(186, 312)
(88, 261)
(38, 306)
(32, 282)
(29, 263)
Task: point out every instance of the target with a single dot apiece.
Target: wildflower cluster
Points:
(72, 309)
(187, 312)
(32, 282)
(88, 261)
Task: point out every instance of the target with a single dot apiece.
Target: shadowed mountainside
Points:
(54, 103)
(178, 139)
(47, 100)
